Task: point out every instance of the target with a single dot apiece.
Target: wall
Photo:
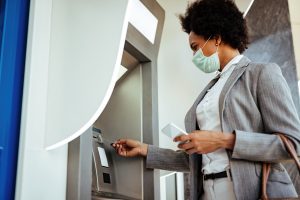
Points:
(179, 81)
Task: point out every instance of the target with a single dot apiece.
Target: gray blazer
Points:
(254, 103)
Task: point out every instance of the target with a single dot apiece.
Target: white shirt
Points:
(208, 118)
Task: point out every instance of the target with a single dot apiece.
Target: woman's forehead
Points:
(193, 37)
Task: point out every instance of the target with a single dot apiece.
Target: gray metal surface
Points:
(122, 118)
(79, 174)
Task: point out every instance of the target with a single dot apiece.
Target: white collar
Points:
(232, 62)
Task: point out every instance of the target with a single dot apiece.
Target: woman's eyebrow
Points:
(192, 45)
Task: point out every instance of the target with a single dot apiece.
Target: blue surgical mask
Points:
(206, 64)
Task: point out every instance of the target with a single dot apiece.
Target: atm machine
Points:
(114, 176)
(131, 112)
(104, 180)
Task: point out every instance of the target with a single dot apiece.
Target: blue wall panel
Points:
(14, 18)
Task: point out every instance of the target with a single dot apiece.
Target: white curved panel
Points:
(87, 40)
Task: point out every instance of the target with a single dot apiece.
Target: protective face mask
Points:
(207, 64)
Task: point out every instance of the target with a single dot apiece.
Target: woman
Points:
(233, 122)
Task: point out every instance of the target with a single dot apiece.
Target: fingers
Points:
(120, 141)
(127, 142)
(121, 150)
(118, 146)
(181, 138)
(127, 152)
(189, 144)
(186, 145)
(127, 147)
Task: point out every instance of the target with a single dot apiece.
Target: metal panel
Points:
(122, 118)
(79, 174)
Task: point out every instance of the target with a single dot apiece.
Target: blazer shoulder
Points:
(256, 69)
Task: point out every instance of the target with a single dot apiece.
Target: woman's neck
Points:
(226, 56)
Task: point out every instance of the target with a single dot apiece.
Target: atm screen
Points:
(103, 158)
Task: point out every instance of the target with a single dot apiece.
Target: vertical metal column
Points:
(79, 175)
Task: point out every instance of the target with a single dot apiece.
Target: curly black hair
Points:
(216, 18)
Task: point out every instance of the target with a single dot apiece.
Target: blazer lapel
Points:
(235, 75)
(190, 118)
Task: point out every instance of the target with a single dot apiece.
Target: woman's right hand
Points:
(130, 148)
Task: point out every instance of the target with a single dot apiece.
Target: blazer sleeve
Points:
(279, 115)
(167, 159)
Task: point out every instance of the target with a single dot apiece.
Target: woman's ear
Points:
(218, 40)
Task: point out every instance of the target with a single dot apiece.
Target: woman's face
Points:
(197, 42)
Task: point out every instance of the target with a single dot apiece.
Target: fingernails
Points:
(114, 145)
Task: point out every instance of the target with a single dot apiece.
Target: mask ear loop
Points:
(217, 48)
(206, 42)
(219, 70)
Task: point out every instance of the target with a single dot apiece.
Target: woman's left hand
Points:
(204, 142)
